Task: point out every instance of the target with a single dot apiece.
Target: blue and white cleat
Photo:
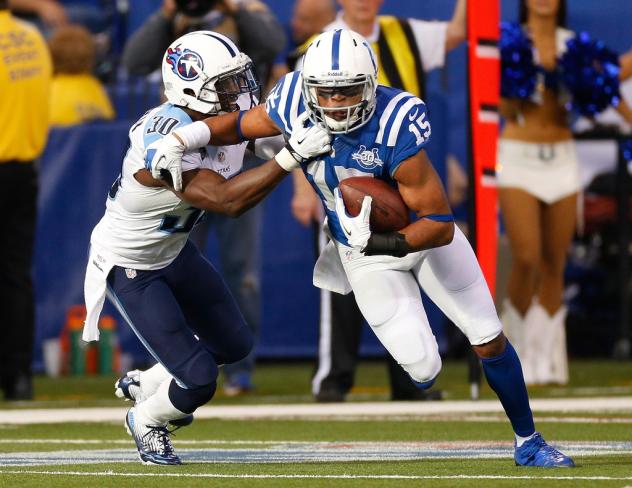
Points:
(152, 441)
(536, 452)
(128, 388)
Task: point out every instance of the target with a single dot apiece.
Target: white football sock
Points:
(151, 379)
(158, 409)
(521, 440)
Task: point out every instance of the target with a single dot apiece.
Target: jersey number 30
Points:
(180, 223)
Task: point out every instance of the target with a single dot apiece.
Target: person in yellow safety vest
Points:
(25, 78)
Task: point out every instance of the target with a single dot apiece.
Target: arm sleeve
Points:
(285, 102)
(261, 36)
(144, 49)
(267, 147)
(412, 135)
(430, 38)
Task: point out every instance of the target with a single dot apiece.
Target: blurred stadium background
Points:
(81, 162)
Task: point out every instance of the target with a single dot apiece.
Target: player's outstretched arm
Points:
(220, 130)
(422, 191)
(207, 190)
(239, 126)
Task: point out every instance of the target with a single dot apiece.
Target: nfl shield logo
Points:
(130, 273)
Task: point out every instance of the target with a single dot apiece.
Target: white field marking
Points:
(538, 419)
(468, 444)
(324, 476)
(314, 452)
(561, 391)
(325, 411)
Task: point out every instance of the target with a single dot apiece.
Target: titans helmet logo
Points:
(185, 63)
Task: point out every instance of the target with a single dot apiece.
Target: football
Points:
(388, 211)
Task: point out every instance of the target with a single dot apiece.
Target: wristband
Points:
(194, 135)
(240, 134)
(391, 244)
(286, 160)
(439, 217)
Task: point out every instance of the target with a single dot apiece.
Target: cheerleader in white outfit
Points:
(538, 184)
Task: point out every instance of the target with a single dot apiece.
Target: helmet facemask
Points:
(222, 92)
(357, 114)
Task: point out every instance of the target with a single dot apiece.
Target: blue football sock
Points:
(504, 375)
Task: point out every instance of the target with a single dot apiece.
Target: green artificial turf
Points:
(289, 383)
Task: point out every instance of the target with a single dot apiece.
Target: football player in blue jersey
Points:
(381, 132)
(170, 295)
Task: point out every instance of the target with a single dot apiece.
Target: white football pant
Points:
(387, 292)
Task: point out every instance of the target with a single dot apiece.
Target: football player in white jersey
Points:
(171, 296)
(380, 132)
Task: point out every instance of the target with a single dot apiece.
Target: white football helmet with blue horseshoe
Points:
(340, 61)
(206, 72)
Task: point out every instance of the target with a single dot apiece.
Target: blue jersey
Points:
(398, 129)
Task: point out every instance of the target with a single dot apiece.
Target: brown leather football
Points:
(388, 211)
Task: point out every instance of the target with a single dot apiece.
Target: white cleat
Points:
(152, 441)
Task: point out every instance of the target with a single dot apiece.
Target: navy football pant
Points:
(186, 317)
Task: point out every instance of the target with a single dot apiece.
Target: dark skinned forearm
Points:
(398, 243)
(427, 234)
(233, 197)
(223, 129)
(254, 124)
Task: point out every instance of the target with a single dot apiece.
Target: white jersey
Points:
(144, 227)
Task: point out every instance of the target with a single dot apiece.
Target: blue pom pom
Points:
(591, 74)
(518, 71)
(626, 149)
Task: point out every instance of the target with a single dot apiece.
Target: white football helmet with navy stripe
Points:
(206, 72)
(340, 60)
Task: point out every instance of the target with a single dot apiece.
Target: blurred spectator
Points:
(309, 18)
(49, 15)
(538, 180)
(258, 33)
(77, 96)
(406, 49)
(247, 22)
(25, 76)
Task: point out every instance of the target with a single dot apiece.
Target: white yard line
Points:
(314, 476)
(364, 410)
(283, 443)
(283, 452)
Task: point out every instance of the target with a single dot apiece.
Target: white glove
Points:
(356, 229)
(166, 154)
(304, 144)
(170, 149)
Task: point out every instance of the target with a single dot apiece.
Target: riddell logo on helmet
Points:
(334, 73)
